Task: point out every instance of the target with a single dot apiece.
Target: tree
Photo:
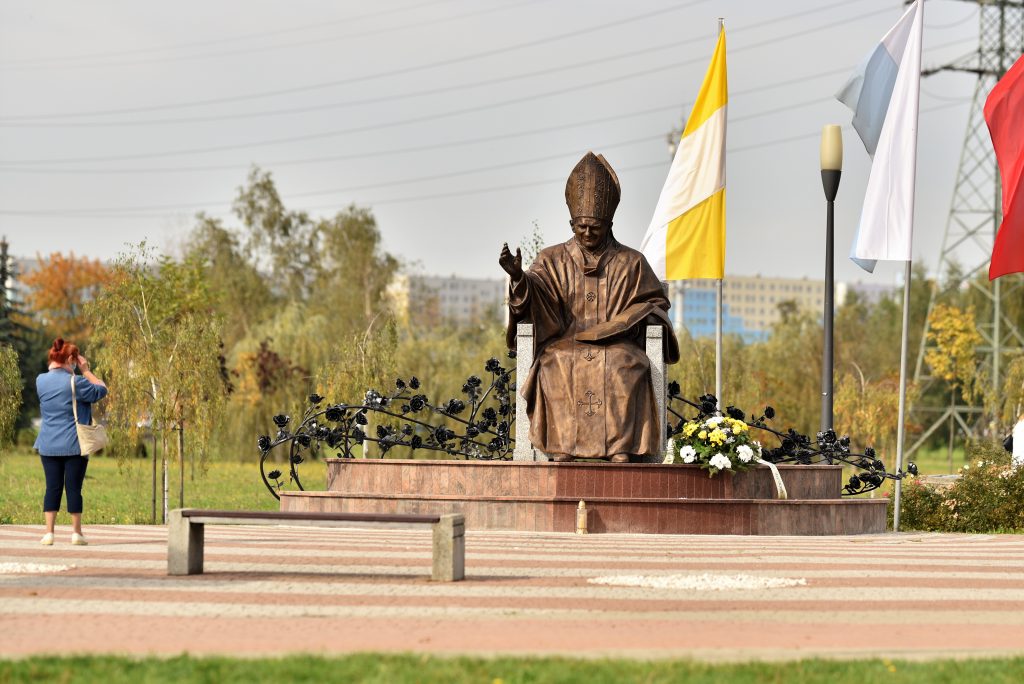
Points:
(953, 359)
(10, 393)
(18, 334)
(351, 269)
(160, 352)
(281, 242)
(58, 291)
(240, 293)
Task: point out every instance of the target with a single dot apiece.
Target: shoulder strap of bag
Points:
(74, 399)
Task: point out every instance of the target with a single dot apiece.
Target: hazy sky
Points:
(457, 121)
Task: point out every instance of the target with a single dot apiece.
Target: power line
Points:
(282, 46)
(367, 77)
(591, 61)
(457, 143)
(358, 155)
(139, 212)
(220, 40)
(350, 103)
(428, 117)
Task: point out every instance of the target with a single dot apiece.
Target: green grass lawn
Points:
(122, 492)
(397, 669)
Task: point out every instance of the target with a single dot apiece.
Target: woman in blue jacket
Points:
(57, 444)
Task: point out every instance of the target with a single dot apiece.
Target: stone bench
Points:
(186, 525)
(654, 347)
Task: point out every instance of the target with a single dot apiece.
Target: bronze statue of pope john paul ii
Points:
(589, 392)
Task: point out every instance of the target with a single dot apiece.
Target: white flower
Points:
(730, 440)
(720, 461)
(757, 449)
(713, 421)
(745, 453)
(688, 454)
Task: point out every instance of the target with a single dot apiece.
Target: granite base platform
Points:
(630, 498)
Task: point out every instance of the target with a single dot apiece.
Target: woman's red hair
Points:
(61, 351)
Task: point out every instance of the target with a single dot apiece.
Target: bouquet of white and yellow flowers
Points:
(715, 443)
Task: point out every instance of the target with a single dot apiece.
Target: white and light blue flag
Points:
(884, 94)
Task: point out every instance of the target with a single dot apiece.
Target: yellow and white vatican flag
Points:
(686, 238)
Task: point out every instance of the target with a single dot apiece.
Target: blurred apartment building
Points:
(429, 301)
(751, 303)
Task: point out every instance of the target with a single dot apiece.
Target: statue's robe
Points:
(589, 392)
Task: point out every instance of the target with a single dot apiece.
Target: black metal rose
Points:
(315, 399)
(417, 403)
(263, 443)
(769, 412)
(735, 413)
(492, 365)
(454, 407)
(280, 420)
(334, 414)
(414, 383)
(274, 475)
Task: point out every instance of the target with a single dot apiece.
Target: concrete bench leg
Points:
(449, 549)
(184, 545)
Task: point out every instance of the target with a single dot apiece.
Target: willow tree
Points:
(159, 352)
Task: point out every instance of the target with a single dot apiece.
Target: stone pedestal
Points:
(633, 498)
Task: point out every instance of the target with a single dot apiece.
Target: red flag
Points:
(1004, 114)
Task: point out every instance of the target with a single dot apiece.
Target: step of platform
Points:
(619, 514)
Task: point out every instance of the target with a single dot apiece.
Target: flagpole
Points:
(719, 299)
(903, 398)
(718, 345)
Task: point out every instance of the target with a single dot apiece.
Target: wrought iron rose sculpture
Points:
(480, 424)
(477, 426)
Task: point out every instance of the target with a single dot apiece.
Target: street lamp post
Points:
(831, 169)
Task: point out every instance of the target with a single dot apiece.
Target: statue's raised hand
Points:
(513, 265)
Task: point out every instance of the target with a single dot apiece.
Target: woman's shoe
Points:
(78, 540)
(47, 539)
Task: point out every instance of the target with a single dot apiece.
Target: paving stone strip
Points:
(270, 591)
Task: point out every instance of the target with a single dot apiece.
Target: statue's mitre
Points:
(592, 189)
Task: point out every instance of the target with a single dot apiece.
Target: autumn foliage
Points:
(58, 290)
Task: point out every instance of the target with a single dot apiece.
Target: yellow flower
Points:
(717, 437)
(689, 429)
(703, 434)
(739, 426)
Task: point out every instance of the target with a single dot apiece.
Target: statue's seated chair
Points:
(524, 450)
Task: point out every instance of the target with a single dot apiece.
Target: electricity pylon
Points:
(974, 217)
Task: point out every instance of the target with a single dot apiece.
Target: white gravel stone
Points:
(703, 582)
(31, 568)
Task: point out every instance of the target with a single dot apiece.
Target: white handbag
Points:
(91, 438)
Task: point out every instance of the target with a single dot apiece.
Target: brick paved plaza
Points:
(271, 591)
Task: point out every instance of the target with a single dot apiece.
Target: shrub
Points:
(987, 497)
